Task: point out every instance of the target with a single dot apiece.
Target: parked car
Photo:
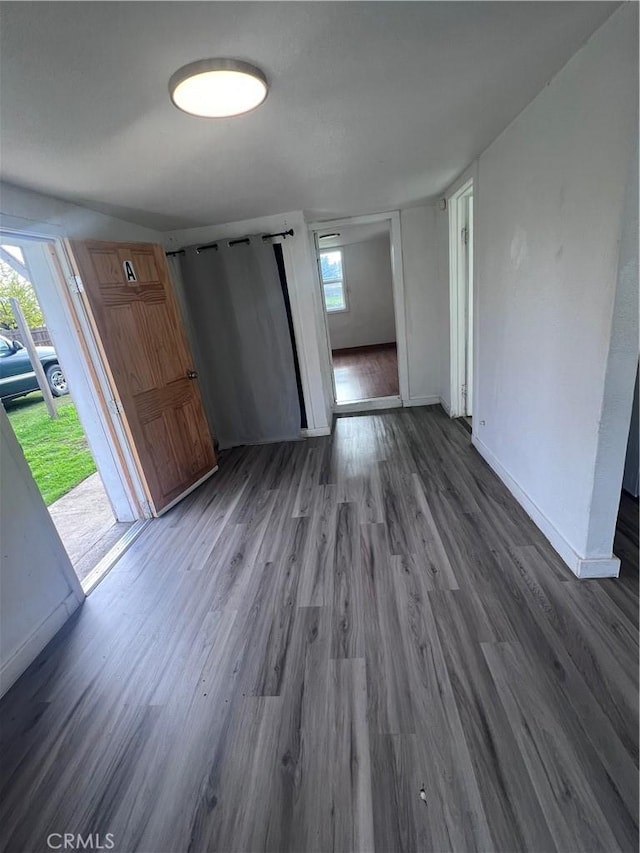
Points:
(17, 376)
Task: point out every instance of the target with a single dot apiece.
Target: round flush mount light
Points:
(218, 88)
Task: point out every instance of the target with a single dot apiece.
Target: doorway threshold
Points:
(370, 405)
(104, 566)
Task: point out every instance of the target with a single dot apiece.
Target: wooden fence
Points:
(40, 336)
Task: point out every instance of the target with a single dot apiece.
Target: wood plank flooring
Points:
(286, 658)
(364, 373)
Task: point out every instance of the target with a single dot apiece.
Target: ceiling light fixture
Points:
(218, 88)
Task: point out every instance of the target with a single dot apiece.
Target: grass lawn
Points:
(56, 449)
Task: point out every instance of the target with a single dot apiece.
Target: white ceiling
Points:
(372, 106)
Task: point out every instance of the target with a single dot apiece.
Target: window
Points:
(335, 297)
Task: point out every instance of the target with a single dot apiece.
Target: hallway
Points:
(284, 659)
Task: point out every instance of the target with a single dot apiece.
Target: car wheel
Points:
(57, 380)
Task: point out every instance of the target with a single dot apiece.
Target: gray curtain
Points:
(242, 345)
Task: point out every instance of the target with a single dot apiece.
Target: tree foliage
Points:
(13, 284)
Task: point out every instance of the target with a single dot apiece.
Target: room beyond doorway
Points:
(365, 373)
(361, 289)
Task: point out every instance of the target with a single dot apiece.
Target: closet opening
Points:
(238, 314)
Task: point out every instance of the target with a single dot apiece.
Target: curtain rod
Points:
(205, 246)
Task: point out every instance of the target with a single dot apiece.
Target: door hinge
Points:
(76, 284)
(116, 407)
(464, 234)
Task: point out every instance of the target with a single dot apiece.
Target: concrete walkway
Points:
(86, 524)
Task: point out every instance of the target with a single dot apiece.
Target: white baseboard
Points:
(13, 668)
(582, 567)
(433, 400)
(597, 567)
(445, 406)
(310, 433)
(371, 405)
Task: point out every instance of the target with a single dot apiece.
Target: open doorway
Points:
(359, 287)
(55, 414)
(460, 206)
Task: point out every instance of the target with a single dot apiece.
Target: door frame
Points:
(59, 293)
(131, 445)
(458, 284)
(397, 282)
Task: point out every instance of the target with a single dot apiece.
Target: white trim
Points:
(362, 219)
(118, 440)
(457, 297)
(371, 405)
(24, 656)
(582, 567)
(445, 405)
(471, 308)
(32, 237)
(68, 329)
(397, 279)
(322, 318)
(102, 568)
(311, 433)
(186, 492)
(470, 175)
(293, 251)
(598, 567)
(433, 400)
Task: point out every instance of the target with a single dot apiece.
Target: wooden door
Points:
(130, 297)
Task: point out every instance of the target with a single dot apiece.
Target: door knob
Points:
(192, 374)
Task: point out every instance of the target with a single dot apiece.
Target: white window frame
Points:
(343, 281)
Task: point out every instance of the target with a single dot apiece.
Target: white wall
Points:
(550, 201)
(423, 303)
(370, 318)
(45, 216)
(38, 588)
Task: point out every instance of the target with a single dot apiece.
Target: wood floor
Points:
(285, 659)
(364, 373)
